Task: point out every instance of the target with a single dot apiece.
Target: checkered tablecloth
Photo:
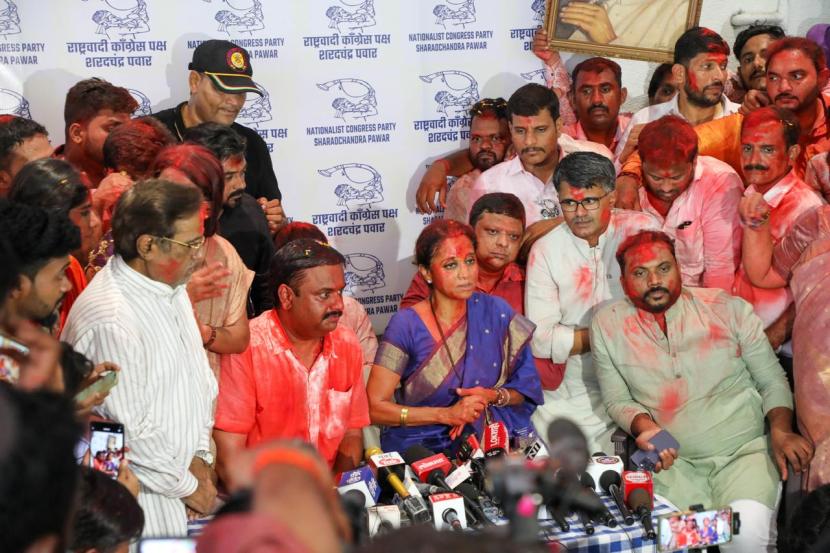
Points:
(622, 539)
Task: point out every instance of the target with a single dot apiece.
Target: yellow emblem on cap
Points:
(236, 60)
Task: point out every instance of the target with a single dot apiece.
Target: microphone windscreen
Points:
(639, 498)
(587, 481)
(609, 478)
(416, 453)
(567, 445)
(467, 490)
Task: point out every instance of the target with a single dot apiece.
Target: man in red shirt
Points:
(302, 374)
(498, 220)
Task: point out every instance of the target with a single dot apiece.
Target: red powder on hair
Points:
(667, 141)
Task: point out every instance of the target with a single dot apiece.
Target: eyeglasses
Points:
(590, 204)
(497, 105)
(194, 245)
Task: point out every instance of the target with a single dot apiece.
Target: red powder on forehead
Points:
(486, 115)
(524, 120)
(643, 253)
(669, 140)
(578, 194)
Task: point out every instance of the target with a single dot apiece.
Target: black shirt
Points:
(246, 228)
(260, 180)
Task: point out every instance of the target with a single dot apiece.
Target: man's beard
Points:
(234, 198)
(655, 308)
(484, 160)
(699, 99)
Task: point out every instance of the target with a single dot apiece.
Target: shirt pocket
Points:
(335, 415)
(689, 246)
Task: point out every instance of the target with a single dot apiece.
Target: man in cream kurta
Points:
(696, 362)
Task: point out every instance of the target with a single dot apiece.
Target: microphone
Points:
(635, 479)
(640, 502)
(469, 451)
(559, 520)
(586, 522)
(448, 510)
(537, 449)
(360, 480)
(496, 440)
(383, 519)
(354, 504)
(567, 445)
(610, 483)
(599, 463)
(562, 492)
(472, 501)
(429, 467)
(414, 506)
(605, 517)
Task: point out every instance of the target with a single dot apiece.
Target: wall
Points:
(357, 103)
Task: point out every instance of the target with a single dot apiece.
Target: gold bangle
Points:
(404, 414)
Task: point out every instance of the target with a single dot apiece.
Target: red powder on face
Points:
(578, 194)
(169, 270)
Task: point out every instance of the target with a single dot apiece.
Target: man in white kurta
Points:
(572, 270)
(136, 313)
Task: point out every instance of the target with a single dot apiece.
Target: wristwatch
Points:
(206, 456)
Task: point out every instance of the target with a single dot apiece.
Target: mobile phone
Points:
(647, 460)
(694, 529)
(106, 447)
(105, 383)
(167, 545)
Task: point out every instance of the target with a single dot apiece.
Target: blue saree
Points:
(491, 348)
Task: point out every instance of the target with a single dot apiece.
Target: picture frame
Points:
(641, 32)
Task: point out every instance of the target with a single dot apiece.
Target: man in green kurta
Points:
(696, 362)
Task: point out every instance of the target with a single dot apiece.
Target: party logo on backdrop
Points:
(525, 34)
(538, 7)
(145, 107)
(455, 14)
(256, 109)
(120, 26)
(351, 17)
(9, 18)
(12, 103)
(359, 186)
(355, 101)
(537, 76)
(363, 273)
(242, 16)
(121, 19)
(453, 92)
(351, 24)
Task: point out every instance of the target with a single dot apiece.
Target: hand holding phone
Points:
(647, 459)
(106, 447)
(106, 382)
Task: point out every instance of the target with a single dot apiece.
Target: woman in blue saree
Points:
(455, 359)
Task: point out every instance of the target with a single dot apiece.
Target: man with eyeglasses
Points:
(136, 313)
(695, 198)
(570, 272)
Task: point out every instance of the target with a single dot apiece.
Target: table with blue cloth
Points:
(622, 539)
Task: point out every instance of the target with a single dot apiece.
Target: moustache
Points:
(757, 74)
(785, 96)
(714, 85)
(598, 107)
(756, 168)
(332, 315)
(654, 290)
(486, 153)
(532, 150)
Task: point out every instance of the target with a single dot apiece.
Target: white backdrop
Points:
(360, 96)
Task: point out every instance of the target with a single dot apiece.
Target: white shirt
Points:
(566, 281)
(166, 389)
(704, 223)
(655, 112)
(539, 198)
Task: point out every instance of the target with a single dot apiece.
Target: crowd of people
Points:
(662, 270)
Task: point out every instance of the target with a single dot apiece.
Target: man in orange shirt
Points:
(302, 374)
(796, 74)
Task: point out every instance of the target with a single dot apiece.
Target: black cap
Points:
(227, 65)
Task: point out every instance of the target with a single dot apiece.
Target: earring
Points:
(429, 281)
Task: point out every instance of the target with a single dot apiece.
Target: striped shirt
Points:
(165, 390)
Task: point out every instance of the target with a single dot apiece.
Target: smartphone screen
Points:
(106, 447)
(167, 545)
(694, 530)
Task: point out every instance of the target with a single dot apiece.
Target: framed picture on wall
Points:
(635, 29)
